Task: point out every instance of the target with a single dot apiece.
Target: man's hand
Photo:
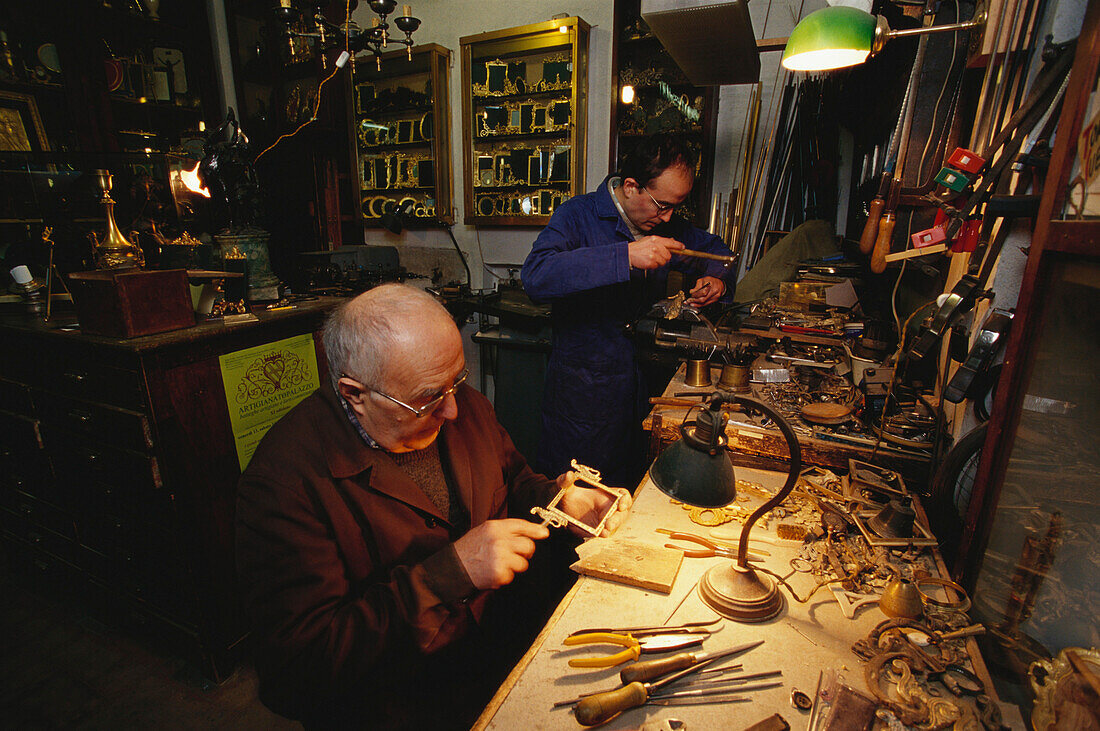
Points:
(495, 551)
(587, 505)
(706, 291)
(651, 252)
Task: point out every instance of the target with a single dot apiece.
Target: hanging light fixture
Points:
(696, 470)
(305, 21)
(839, 36)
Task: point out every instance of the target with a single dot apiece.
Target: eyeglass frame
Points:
(661, 207)
(427, 408)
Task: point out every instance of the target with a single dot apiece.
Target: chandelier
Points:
(305, 24)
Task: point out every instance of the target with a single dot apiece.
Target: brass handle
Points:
(75, 377)
(81, 416)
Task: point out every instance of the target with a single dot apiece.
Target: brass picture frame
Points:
(496, 74)
(485, 205)
(425, 127)
(539, 117)
(405, 128)
(425, 173)
(21, 127)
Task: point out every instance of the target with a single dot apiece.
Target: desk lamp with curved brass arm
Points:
(696, 470)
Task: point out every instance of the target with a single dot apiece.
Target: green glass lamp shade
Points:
(830, 38)
(695, 477)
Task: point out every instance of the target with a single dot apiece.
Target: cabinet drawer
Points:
(93, 381)
(23, 462)
(101, 478)
(16, 398)
(38, 513)
(138, 558)
(107, 424)
(34, 534)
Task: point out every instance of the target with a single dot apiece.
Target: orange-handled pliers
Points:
(709, 547)
(633, 647)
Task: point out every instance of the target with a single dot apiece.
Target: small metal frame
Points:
(924, 540)
(551, 515)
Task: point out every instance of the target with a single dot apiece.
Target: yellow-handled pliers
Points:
(633, 647)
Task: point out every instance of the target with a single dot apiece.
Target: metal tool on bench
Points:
(633, 646)
(700, 627)
(709, 547)
(601, 707)
(650, 669)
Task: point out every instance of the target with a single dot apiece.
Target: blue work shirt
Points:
(594, 400)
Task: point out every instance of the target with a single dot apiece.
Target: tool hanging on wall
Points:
(884, 228)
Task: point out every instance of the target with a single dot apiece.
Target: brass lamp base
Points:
(740, 593)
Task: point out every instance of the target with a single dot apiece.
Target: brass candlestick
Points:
(114, 251)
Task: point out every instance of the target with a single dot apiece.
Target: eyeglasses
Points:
(661, 207)
(432, 405)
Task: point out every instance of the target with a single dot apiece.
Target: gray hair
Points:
(361, 334)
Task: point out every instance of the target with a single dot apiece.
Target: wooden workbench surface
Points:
(750, 442)
(802, 641)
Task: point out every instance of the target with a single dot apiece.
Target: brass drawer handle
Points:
(75, 377)
(84, 417)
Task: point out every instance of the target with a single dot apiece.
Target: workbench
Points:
(752, 444)
(802, 641)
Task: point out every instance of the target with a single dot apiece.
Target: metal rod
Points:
(705, 255)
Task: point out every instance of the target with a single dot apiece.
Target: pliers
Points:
(633, 646)
(709, 547)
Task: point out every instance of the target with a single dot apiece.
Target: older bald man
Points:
(374, 543)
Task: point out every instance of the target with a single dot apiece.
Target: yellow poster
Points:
(262, 384)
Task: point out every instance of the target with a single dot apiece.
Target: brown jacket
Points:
(348, 569)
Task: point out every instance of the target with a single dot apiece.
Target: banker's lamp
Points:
(839, 36)
(696, 470)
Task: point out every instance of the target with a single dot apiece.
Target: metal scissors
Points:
(633, 646)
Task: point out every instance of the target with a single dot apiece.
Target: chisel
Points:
(649, 669)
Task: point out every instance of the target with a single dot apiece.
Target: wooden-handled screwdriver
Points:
(650, 669)
(885, 231)
(595, 709)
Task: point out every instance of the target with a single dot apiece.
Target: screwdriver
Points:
(600, 707)
(650, 669)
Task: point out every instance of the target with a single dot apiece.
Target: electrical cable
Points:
(880, 432)
(343, 59)
(450, 232)
(481, 254)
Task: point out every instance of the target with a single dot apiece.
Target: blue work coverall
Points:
(595, 396)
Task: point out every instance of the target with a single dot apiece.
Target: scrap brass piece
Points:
(551, 515)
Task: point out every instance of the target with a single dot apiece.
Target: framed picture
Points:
(498, 74)
(526, 117)
(405, 130)
(538, 121)
(21, 128)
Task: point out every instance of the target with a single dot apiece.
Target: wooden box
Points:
(128, 303)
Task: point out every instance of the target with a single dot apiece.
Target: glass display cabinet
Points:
(1029, 546)
(402, 132)
(524, 121)
(652, 95)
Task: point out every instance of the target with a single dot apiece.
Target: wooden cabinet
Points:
(118, 474)
(402, 126)
(660, 99)
(1028, 549)
(108, 76)
(524, 121)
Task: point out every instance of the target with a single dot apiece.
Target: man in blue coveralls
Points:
(601, 262)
